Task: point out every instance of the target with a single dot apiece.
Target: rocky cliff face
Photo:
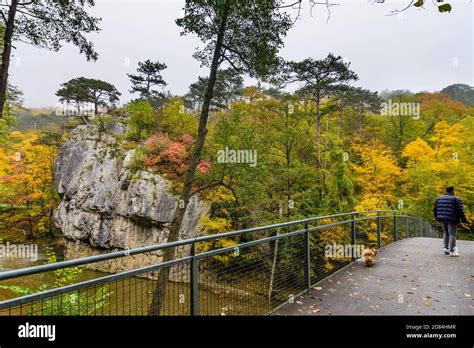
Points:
(106, 205)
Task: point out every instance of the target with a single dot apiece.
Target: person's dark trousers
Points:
(449, 234)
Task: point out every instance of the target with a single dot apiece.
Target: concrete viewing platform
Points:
(410, 277)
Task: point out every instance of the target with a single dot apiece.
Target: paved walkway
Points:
(410, 277)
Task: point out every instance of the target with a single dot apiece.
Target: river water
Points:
(131, 296)
(32, 282)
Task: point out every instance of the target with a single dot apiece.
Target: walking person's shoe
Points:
(455, 252)
(446, 251)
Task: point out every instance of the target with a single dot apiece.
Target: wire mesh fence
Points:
(387, 231)
(249, 272)
(251, 280)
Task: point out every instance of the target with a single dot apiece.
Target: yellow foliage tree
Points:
(376, 174)
(26, 180)
(431, 167)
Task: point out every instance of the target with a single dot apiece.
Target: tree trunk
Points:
(96, 102)
(148, 92)
(361, 119)
(159, 294)
(318, 132)
(31, 228)
(7, 50)
(274, 262)
(78, 105)
(272, 274)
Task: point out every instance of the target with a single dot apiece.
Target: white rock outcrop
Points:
(105, 205)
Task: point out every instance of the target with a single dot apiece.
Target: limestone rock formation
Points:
(107, 205)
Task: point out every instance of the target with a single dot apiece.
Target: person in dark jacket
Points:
(449, 211)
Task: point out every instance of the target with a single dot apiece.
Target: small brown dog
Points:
(369, 256)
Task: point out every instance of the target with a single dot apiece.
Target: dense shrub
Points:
(141, 120)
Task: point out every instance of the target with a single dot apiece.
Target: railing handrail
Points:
(193, 259)
(128, 252)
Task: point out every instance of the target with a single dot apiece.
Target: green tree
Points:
(140, 119)
(401, 127)
(246, 35)
(82, 90)
(148, 76)
(46, 24)
(320, 78)
(228, 87)
(359, 99)
(460, 92)
(14, 96)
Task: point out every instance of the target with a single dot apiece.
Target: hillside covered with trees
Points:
(367, 160)
(259, 153)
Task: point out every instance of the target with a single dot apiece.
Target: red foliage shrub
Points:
(204, 166)
(187, 139)
(151, 161)
(170, 157)
(175, 153)
(157, 143)
(181, 169)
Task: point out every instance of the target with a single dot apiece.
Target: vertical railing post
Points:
(395, 229)
(307, 258)
(353, 237)
(379, 231)
(407, 232)
(414, 226)
(194, 282)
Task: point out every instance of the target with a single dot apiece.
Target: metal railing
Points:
(247, 272)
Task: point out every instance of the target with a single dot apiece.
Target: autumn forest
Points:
(302, 141)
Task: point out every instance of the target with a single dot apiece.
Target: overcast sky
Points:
(418, 50)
